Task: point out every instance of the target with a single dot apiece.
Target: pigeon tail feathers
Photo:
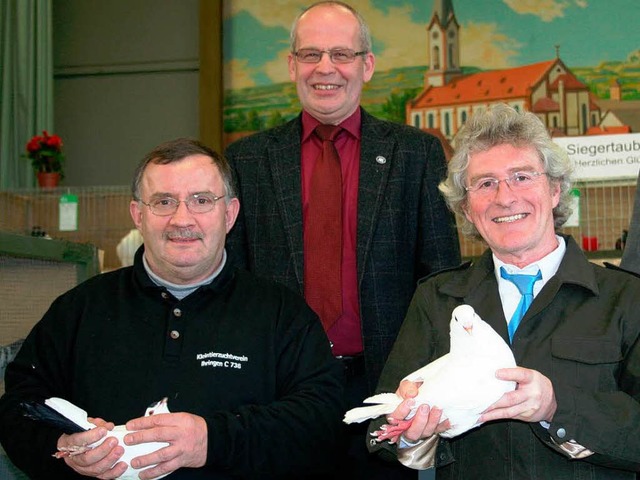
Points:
(360, 414)
(51, 416)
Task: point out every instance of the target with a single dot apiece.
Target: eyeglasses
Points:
(517, 181)
(337, 55)
(196, 203)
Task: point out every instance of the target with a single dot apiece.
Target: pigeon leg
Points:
(71, 451)
(392, 432)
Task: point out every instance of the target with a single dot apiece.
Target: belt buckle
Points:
(353, 365)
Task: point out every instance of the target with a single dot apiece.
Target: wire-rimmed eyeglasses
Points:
(196, 203)
(516, 181)
(337, 55)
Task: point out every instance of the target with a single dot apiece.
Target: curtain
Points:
(26, 84)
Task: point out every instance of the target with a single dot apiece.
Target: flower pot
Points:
(48, 179)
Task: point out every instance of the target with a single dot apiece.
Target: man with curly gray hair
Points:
(572, 325)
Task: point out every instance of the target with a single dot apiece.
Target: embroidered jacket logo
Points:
(221, 360)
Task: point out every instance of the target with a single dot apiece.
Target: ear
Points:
(231, 214)
(465, 209)
(136, 213)
(292, 67)
(555, 193)
(369, 66)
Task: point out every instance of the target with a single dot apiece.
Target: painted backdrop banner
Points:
(590, 38)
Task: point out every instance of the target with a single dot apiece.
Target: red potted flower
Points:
(45, 152)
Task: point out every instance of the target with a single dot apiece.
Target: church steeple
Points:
(443, 45)
(444, 10)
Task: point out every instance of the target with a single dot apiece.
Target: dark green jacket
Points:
(582, 332)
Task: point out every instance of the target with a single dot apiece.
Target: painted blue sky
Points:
(494, 33)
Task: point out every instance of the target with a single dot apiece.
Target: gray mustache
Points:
(182, 235)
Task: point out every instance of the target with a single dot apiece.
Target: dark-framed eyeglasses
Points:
(337, 55)
(196, 203)
(516, 181)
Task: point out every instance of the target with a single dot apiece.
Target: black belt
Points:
(353, 365)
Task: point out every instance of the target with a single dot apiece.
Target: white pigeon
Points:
(462, 383)
(79, 416)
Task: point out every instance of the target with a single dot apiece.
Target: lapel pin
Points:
(381, 160)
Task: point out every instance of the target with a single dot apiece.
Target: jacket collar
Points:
(575, 269)
(376, 160)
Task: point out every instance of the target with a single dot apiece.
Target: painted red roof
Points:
(545, 105)
(608, 130)
(570, 82)
(485, 86)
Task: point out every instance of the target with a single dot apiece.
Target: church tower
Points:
(443, 45)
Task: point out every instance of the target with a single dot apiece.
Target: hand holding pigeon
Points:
(462, 383)
(71, 419)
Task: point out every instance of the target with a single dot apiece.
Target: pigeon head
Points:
(157, 407)
(464, 315)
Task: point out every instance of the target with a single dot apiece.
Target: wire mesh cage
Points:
(103, 219)
(33, 272)
(102, 216)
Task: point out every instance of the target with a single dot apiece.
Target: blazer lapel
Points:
(284, 164)
(376, 157)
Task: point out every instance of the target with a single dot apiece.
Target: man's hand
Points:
(100, 461)
(185, 433)
(99, 422)
(533, 400)
(424, 424)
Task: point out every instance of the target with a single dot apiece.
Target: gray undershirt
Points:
(181, 291)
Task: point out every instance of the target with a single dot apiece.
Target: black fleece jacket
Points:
(246, 354)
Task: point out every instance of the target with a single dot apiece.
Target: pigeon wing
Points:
(429, 371)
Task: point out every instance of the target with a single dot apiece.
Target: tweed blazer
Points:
(404, 228)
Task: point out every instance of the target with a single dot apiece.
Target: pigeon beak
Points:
(468, 326)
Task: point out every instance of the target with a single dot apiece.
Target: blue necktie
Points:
(525, 287)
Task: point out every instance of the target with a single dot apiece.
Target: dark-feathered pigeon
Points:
(70, 419)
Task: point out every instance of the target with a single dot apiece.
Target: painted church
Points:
(549, 89)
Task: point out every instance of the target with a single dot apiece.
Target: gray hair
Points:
(498, 125)
(365, 33)
(176, 150)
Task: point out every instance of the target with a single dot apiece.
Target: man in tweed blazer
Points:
(398, 226)
(405, 230)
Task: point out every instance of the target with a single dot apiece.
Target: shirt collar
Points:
(547, 265)
(351, 124)
(181, 291)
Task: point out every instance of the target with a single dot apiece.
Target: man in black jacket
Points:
(245, 364)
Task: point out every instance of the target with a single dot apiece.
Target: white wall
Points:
(126, 79)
